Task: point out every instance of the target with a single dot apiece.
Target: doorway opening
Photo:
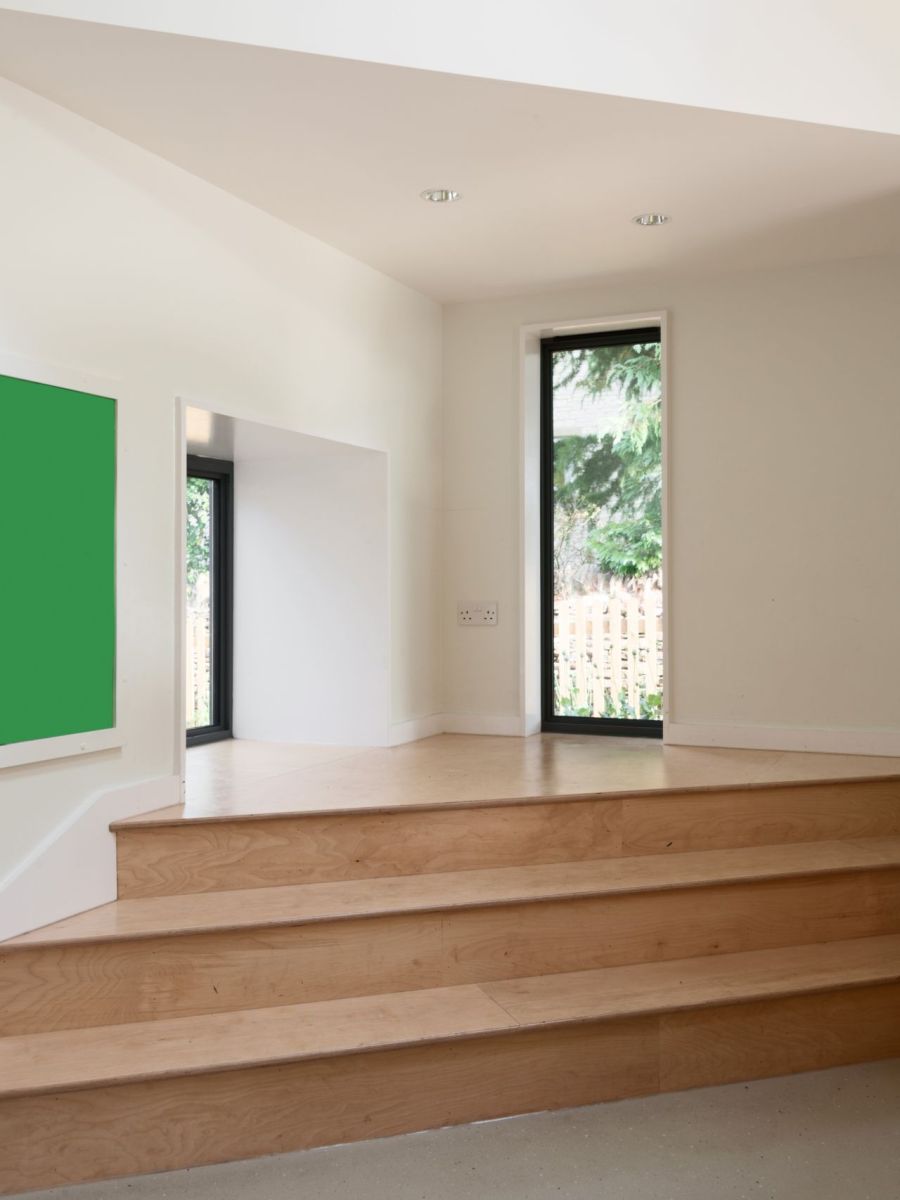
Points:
(285, 612)
(601, 532)
(209, 560)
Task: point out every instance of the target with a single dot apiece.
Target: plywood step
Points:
(176, 956)
(88, 1058)
(90, 1104)
(307, 903)
(167, 855)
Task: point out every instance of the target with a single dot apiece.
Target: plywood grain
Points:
(95, 1057)
(79, 1058)
(709, 820)
(698, 982)
(44, 989)
(238, 778)
(185, 856)
(779, 1037)
(293, 904)
(162, 1125)
(496, 943)
(229, 855)
(96, 983)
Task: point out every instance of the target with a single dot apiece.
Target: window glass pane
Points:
(199, 602)
(607, 532)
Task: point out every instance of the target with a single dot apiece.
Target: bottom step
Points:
(89, 1104)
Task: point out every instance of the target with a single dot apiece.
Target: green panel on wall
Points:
(57, 561)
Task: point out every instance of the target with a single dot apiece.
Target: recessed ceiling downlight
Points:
(440, 195)
(650, 219)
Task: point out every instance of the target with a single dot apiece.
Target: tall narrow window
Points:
(602, 532)
(209, 589)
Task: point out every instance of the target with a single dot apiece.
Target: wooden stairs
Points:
(268, 983)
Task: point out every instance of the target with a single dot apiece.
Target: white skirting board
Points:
(781, 737)
(481, 723)
(74, 867)
(484, 723)
(877, 742)
(413, 731)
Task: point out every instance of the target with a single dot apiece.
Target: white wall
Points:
(785, 491)
(785, 559)
(810, 60)
(311, 590)
(117, 263)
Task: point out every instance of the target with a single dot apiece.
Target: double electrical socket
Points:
(482, 612)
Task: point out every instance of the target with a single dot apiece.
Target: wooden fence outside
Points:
(198, 665)
(607, 650)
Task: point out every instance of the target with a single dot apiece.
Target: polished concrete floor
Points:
(831, 1135)
(241, 777)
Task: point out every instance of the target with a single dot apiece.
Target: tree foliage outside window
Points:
(608, 488)
(198, 531)
(607, 512)
(198, 567)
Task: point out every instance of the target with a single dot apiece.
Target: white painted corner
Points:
(779, 737)
(414, 730)
(74, 867)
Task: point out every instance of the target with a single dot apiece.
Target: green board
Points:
(57, 561)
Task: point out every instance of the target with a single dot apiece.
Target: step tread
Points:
(697, 982)
(101, 1056)
(363, 804)
(311, 902)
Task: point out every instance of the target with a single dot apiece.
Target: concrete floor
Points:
(831, 1135)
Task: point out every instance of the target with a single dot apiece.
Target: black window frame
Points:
(221, 472)
(550, 721)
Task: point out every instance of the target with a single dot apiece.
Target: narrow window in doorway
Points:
(208, 570)
(601, 432)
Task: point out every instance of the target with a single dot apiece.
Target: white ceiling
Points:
(835, 62)
(550, 178)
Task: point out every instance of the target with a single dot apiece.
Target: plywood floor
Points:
(244, 777)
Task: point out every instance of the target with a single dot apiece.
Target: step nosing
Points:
(375, 912)
(250, 1064)
(148, 822)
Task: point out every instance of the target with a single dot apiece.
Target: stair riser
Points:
(79, 1136)
(46, 988)
(228, 855)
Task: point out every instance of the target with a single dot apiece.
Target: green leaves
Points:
(629, 549)
(586, 473)
(651, 707)
(634, 371)
(610, 486)
(199, 544)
